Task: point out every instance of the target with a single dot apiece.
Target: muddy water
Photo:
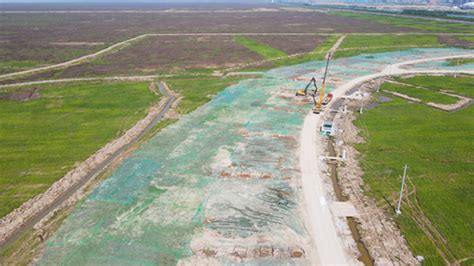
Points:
(222, 183)
(364, 253)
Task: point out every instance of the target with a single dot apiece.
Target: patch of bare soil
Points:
(456, 42)
(25, 94)
(77, 43)
(164, 53)
(114, 27)
(403, 96)
(379, 232)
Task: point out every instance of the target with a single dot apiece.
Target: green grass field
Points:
(467, 38)
(462, 85)
(418, 25)
(42, 139)
(424, 95)
(360, 44)
(438, 148)
(266, 51)
(460, 62)
(317, 54)
(198, 91)
(17, 65)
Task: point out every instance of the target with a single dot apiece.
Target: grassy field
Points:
(358, 44)
(266, 51)
(460, 62)
(17, 65)
(462, 85)
(423, 95)
(467, 38)
(438, 148)
(41, 139)
(317, 54)
(413, 23)
(198, 91)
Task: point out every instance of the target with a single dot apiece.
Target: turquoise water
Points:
(222, 181)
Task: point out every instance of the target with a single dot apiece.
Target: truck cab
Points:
(326, 128)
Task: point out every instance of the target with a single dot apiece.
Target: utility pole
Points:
(401, 190)
(456, 69)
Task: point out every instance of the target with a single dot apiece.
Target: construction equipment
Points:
(305, 91)
(327, 99)
(318, 106)
(326, 128)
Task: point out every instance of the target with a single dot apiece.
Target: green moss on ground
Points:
(42, 139)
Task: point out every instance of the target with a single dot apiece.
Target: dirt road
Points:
(322, 221)
(121, 45)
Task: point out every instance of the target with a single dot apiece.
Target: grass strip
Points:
(462, 85)
(198, 91)
(422, 94)
(419, 24)
(265, 50)
(460, 62)
(361, 44)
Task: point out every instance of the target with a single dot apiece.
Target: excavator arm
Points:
(305, 91)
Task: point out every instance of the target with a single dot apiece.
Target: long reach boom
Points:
(319, 104)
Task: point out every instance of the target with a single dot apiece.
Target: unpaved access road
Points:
(329, 245)
(123, 44)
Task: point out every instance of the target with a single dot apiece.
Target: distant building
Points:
(468, 5)
(408, 2)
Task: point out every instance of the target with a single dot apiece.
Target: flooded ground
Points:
(220, 185)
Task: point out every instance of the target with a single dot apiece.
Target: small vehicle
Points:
(326, 128)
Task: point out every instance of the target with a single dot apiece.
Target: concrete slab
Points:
(343, 209)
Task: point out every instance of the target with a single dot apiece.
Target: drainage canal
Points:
(364, 253)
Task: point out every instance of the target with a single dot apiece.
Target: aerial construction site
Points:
(234, 134)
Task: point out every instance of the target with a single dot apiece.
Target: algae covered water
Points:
(222, 183)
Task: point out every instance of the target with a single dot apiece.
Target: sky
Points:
(129, 1)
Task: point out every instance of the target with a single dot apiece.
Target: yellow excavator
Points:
(305, 91)
(318, 105)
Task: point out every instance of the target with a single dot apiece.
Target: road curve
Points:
(329, 246)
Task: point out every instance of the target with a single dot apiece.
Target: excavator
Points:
(318, 105)
(305, 91)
